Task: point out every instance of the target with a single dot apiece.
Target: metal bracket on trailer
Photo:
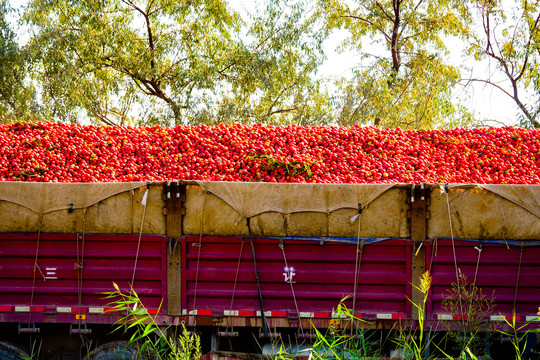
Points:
(269, 334)
(173, 243)
(79, 330)
(28, 330)
(228, 333)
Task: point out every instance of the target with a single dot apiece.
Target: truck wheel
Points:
(11, 352)
(116, 350)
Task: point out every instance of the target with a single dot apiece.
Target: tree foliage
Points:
(510, 38)
(153, 61)
(144, 62)
(274, 71)
(402, 79)
(17, 100)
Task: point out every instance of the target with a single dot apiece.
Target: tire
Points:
(11, 352)
(116, 350)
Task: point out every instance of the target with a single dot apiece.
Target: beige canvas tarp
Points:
(476, 211)
(486, 212)
(107, 207)
(222, 208)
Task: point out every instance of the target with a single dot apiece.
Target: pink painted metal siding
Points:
(106, 258)
(499, 272)
(322, 275)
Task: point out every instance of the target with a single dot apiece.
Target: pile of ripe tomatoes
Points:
(55, 152)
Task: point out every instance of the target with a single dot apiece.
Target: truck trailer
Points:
(233, 260)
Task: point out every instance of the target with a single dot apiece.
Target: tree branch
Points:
(356, 17)
(529, 41)
(390, 18)
(406, 20)
(148, 29)
(394, 49)
(281, 111)
(278, 97)
(514, 97)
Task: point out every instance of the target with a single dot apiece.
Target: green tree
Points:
(166, 62)
(402, 79)
(275, 70)
(17, 100)
(510, 39)
(104, 57)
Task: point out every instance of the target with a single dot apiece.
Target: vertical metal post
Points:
(213, 340)
(175, 196)
(419, 196)
(263, 317)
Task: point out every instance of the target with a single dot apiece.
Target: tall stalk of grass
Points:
(413, 345)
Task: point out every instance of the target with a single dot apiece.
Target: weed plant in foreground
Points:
(152, 340)
(350, 341)
(350, 337)
(474, 306)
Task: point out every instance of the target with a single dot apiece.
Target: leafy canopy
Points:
(402, 79)
(150, 61)
(17, 100)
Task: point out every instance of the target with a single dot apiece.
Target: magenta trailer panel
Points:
(51, 277)
(297, 277)
(507, 271)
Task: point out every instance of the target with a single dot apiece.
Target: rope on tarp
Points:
(433, 252)
(505, 224)
(287, 268)
(261, 305)
(479, 249)
(234, 286)
(359, 252)
(517, 279)
(453, 248)
(143, 203)
(36, 268)
(80, 266)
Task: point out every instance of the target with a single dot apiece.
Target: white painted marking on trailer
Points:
(306, 314)
(384, 316)
(288, 274)
(230, 313)
(63, 309)
(497, 318)
(184, 312)
(532, 318)
(51, 273)
(96, 310)
(22, 308)
(445, 317)
(266, 313)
